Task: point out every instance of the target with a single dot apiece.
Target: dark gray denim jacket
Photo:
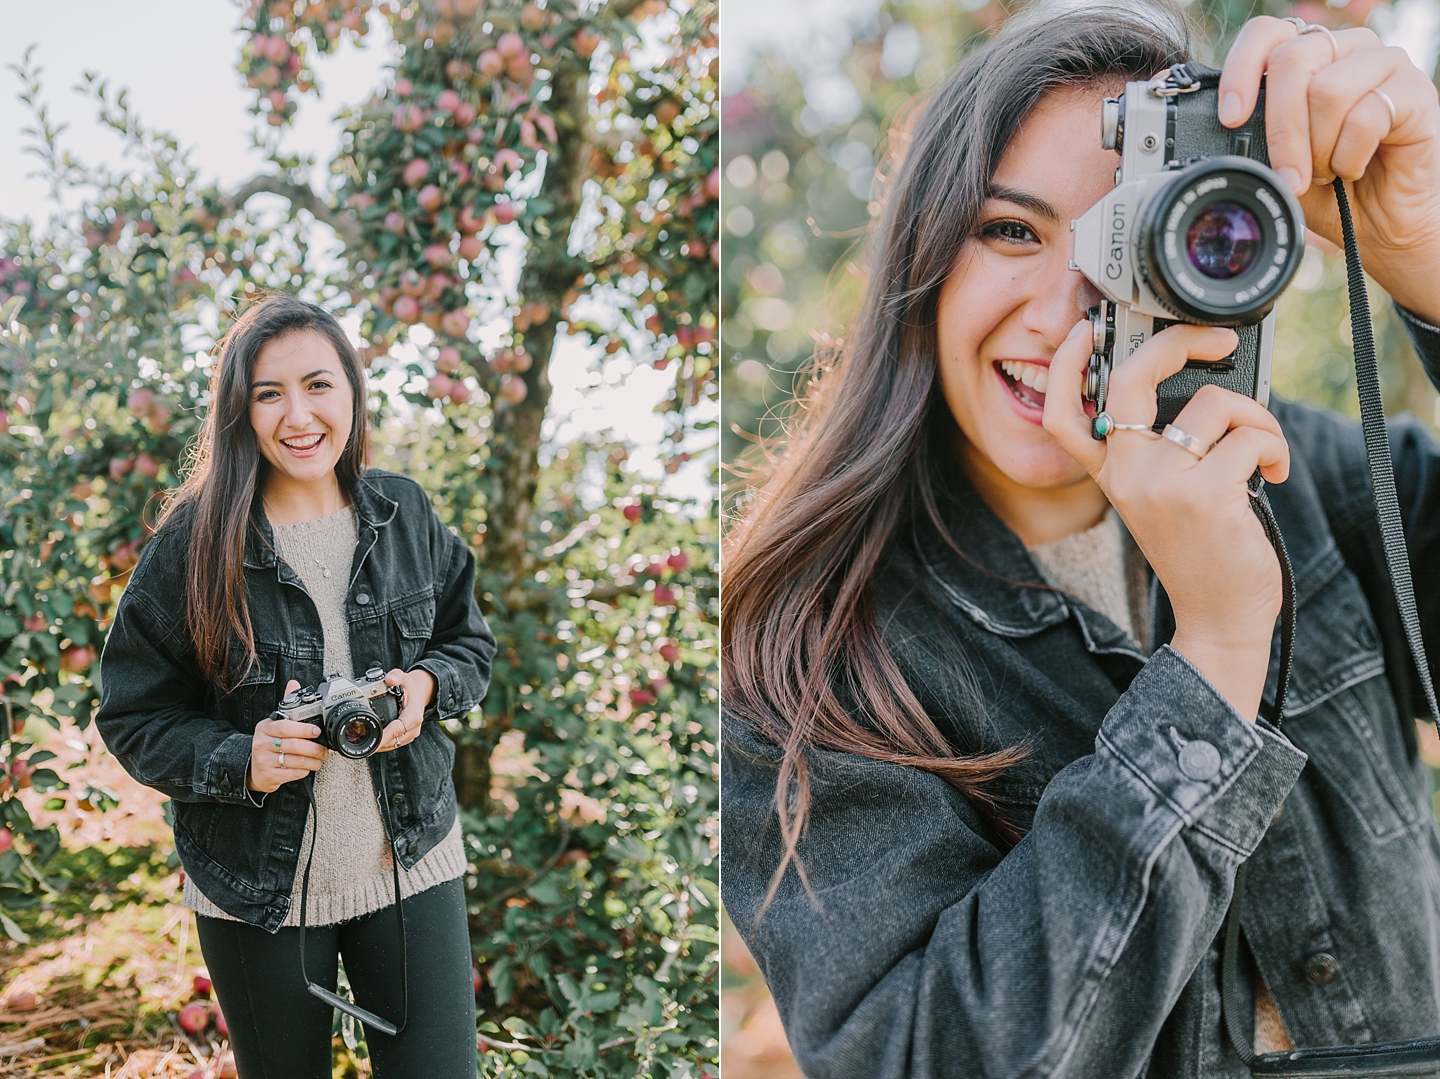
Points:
(410, 604)
(1089, 949)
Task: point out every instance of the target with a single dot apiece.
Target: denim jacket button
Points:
(1199, 760)
(1321, 968)
(363, 598)
(397, 799)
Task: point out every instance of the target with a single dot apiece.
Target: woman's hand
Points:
(288, 738)
(420, 689)
(1322, 120)
(1190, 516)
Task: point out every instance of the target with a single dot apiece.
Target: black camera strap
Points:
(1418, 1056)
(370, 1019)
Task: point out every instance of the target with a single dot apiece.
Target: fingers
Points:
(1245, 449)
(1065, 416)
(286, 728)
(400, 732)
(1134, 381)
(1220, 417)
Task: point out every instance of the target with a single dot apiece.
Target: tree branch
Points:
(301, 197)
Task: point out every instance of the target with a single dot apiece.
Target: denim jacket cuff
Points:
(225, 772)
(1425, 338)
(1200, 759)
(447, 688)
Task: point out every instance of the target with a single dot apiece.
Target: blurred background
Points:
(810, 92)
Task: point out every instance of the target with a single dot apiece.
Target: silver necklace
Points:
(324, 569)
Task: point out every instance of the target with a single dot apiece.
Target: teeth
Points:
(1032, 375)
(308, 442)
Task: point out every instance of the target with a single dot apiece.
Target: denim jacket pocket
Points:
(413, 624)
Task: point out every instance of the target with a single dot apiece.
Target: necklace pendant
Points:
(325, 573)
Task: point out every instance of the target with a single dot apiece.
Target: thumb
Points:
(291, 686)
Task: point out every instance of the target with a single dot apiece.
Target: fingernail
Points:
(1079, 327)
(314, 732)
(1230, 108)
(1291, 179)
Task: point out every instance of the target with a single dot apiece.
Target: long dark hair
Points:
(224, 475)
(804, 662)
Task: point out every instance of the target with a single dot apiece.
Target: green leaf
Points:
(42, 755)
(13, 931)
(10, 309)
(54, 805)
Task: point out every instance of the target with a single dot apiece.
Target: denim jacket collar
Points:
(995, 581)
(373, 511)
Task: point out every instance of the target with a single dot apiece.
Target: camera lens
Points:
(1223, 240)
(1218, 241)
(352, 729)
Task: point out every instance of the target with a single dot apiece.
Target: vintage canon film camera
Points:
(1197, 229)
(351, 715)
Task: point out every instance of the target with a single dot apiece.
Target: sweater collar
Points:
(373, 511)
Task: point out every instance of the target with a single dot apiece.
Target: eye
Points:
(321, 384)
(265, 395)
(1009, 231)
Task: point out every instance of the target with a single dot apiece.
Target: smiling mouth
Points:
(302, 442)
(1026, 381)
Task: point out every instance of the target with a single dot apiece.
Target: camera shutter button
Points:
(1199, 760)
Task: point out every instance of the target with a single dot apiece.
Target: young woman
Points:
(282, 561)
(993, 746)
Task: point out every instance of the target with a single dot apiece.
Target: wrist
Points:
(1236, 669)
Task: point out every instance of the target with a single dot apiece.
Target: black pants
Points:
(278, 1030)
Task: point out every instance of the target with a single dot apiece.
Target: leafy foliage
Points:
(576, 192)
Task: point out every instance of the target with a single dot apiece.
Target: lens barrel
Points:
(1219, 243)
(352, 729)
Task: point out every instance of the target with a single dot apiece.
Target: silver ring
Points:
(1383, 96)
(1104, 425)
(282, 759)
(1316, 28)
(1186, 441)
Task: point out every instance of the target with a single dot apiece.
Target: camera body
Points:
(1197, 229)
(351, 715)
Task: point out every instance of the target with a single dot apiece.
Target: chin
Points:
(1040, 467)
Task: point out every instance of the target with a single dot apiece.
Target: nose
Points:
(1061, 298)
(297, 411)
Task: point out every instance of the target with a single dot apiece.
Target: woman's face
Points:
(1011, 298)
(301, 406)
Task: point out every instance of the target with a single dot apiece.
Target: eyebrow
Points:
(306, 378)
(1033, 203)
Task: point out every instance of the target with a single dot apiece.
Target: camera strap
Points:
(335, 1000)
(1417, 1056)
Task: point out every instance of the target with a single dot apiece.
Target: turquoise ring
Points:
(1104, 425)
(277, 743)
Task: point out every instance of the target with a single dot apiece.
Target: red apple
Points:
(412, 283)
(438, 386)
(194, 1017)
(455, 323)
(416, 169)
(471, 248)
(202, 984)
(510, 45)
(139, 401)
(147, 465)
(403, 88)
(668, 652)
(75, 659)
(431, 198)
(520, 361)
(505, 212)
(586, 43)
(664, 596)
(21, 1002)
(712, 183)
(447, 100)
(459, 393)
(632, 512)
(460, 171)
(678, 561)
(36, 623)
(120, 466)
(532, 18)
(654, 569)
(7, 839)
(395, 222)
(476, 972)
(464, 114)
(221, 1027)
(490, 63)
(509, 159)
(407, 310)
(449, 361)
(513, 389)
(641, 696)
(438, 256)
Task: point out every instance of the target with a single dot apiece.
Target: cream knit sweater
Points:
(352, 873)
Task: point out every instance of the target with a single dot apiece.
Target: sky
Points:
(176, 59)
